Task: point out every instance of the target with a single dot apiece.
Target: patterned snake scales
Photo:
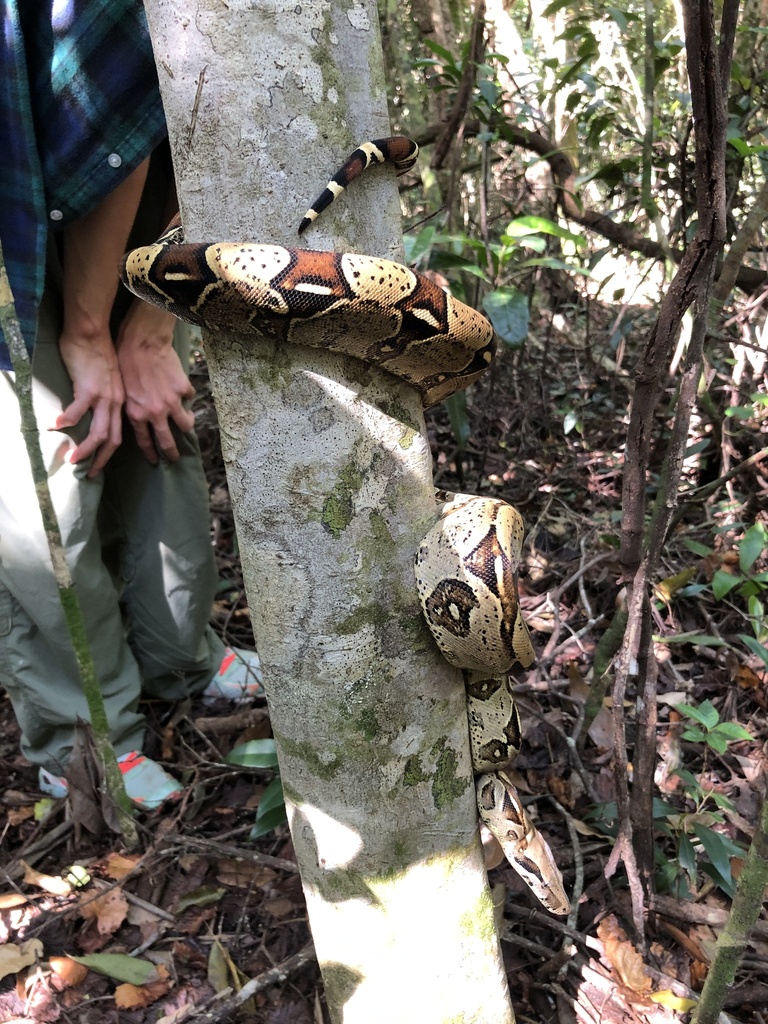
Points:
(467, 565)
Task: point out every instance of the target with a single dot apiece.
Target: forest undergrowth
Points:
(203, 910)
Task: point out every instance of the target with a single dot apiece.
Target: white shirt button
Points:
(114, 159)
(56, 215)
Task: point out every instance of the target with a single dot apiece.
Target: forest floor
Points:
(207, 909)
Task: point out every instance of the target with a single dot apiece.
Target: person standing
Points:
(85, 174)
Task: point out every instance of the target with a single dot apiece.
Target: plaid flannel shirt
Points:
(79, 110)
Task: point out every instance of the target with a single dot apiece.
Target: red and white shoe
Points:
(238, 680)
(146, 783)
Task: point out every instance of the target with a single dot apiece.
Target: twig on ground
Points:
(227, 724)
(40, 848)
(225, 850)
(225, 1007)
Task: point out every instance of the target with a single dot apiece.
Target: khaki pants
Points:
(137, 540)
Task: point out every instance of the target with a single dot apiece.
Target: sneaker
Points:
(238, 679)
(146, 783)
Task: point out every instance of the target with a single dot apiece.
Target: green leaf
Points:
(522, 226)
(456, 407)
(570, 420)
(416, 245)
(740, 412)
(732, 731)
(202, 896)
(694, 736)
(118, 966)
(686, 855)
(507, 309)
(440, 51)
(697, 549)
(719, 849)
(756, 613)
(751, 547)
(706, 713)
(699, 446)
(254, 754)
(661, 809)
(554, 7)
(453, 261)
(755, 646)
(716, 742)
(267, 822)
(701, 639)
(272, 797)
(723, 582)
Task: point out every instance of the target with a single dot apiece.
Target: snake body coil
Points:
(383, 313)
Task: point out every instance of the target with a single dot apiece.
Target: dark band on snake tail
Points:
(396, 150)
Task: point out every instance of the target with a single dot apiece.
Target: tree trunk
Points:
(330, 475)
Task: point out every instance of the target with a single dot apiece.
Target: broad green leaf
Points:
(534, 242)
(689, 780)
(521, 226)
(661, 809)
(440, 51)
(507, 309)
(489, 91)
(272, 797)
(686, 854)
(254, 754)
(202, 896)
(416, 245)
(554, 7)
(755, 646)
(740, 412)
(723, 583)
(732, 731)
(118, 966)
(744, 149)
(456, 407)
(716, 742)
(452, 261)
(699, 446)
(701, 639)
(554, 264)
(270, 820)
(719, 849)
(706, 713)
(696, 548)
(694, 736)
(751, 547)
(756, 613)
(570, 420)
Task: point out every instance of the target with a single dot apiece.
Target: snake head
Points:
(524, 846)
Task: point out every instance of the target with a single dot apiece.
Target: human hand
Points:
(91, 362)
(154, 380)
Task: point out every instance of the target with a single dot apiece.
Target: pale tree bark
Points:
(330, 474)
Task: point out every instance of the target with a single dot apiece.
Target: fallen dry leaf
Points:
(109, 910)
(243, 875)
(18, 814)
(53, 884)
(14, 958)
(136, 997)
(67, 971)
(623, 956)
(12, 899)
(118, 865)
(178, 1009)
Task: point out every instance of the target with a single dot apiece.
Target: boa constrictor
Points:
(381, 312)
